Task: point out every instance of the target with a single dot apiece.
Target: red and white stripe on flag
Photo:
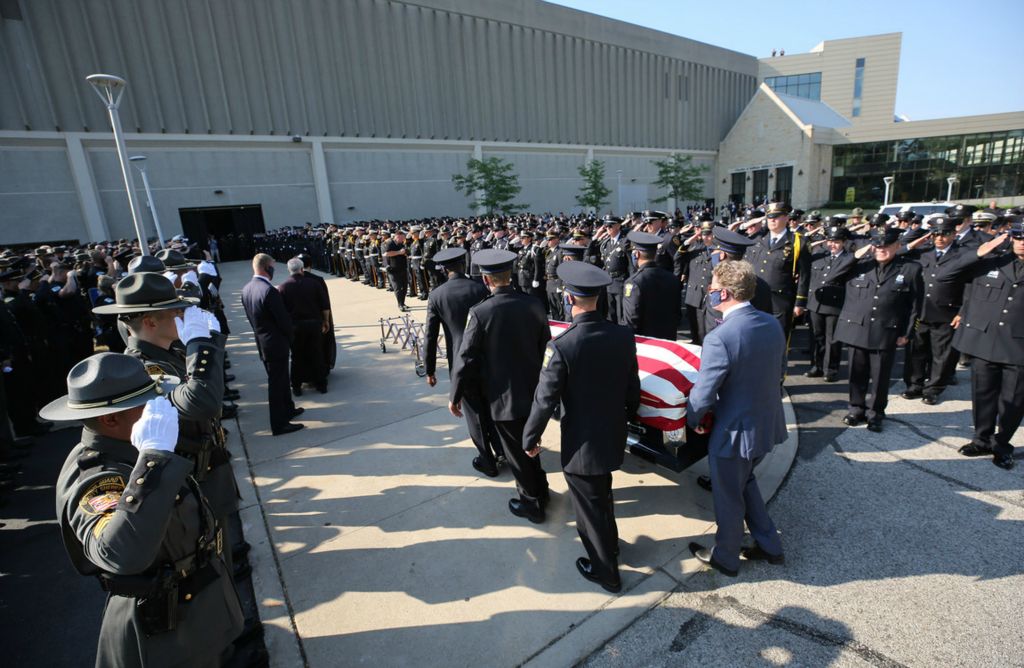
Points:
(668, 369)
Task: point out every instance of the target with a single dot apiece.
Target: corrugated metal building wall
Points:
(509, 71)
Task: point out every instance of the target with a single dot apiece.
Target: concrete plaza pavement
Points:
(375, 541)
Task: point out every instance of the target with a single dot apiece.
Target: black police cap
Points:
(449, 256)
(731, 242)
(572, 250)
(942, 225)
(644, 241)
(582, 278)
(494, 260)
(885, 236)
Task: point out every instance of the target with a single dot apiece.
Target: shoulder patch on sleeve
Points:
(548, 352)
(102, 496)
(154, 369)
(628, 290)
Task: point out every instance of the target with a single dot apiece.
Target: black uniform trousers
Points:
(870, 373)
(399, 283)
(695, 321)
(481, 427)
(308, 362)
(615, 291)
(782, 309)
(554, 302)
(279, 395)
(595, 521)
(531, 481)
(997, 401)
(825, 350)
(931, 359)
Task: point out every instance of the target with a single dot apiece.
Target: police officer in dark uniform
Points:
(962, 216)
(931, 360)
(419, 288)
(990, 330)
(782, 259)
(447, 309)
(694, 266)
(615, 260)
(397, 256)
(882, 300)
(432, 276)
(476, 244)
(650, 297)
(132, 515)
(530, 266)
(591, 370)
(552, 286)
(829, 270)
(731, 245)
(502, 350)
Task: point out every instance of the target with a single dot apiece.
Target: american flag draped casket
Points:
(668, 369)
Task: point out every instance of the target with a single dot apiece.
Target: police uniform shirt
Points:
(615, 256)
(828, 276)
(397, 263)
(992, 320)
(651, 302)
(881, 304)
(784, 264)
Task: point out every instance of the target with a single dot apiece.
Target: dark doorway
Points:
(231, 226)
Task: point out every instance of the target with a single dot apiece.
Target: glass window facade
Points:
(738, 190)
(760, 186)
(858, 85)
(800, 85)
(989, 164)
(783, 184)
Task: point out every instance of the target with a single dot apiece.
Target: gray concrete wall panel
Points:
(38, 201)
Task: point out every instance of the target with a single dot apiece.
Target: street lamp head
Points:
(952, 179)
(137, 158)
(110, 88)
(888, 180)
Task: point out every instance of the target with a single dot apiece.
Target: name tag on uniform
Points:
(899, 279)
(993, 274)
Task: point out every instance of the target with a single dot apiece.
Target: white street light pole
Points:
(951, 181)
(140, 163)
(618, 173)
(110, 89)
(888, 184)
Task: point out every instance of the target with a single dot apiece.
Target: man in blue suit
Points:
(740, 384)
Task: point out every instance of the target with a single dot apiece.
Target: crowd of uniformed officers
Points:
(133, 347)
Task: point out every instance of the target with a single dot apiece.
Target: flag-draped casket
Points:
(668, 370)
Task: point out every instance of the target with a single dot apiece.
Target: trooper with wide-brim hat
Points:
(174, 260)
(142, 292)
(130, 515)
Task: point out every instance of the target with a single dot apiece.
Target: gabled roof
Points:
(813, 112)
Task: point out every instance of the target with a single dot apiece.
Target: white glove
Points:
(193, 326)
(171, 276)
(190, 277)
(213, 322)
(536, 284)
(157, 429)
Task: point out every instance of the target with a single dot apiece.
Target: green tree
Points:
(593, 192)
(682, 179)
(493, 183)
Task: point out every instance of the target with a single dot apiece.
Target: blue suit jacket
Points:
(740, 382)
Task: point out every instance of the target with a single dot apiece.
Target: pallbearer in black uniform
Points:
(829, 270)
(615, 260)
(591, 370)
(502, 349)
(447, 308)
(991, 330)
(132, 515)
(650, 297)
(882, 301)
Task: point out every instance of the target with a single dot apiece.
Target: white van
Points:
(925, 209)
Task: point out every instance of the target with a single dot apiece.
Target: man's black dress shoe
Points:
(231, 395)
(911, 394)
(298, 411)
(930, 399)
(704, 482)
(228, 377)
(1003, 461)
(227, 364)
(815, 372)
(297, 391)
(479, 465)
(322, 389)
(757, 554)
(228, 412)
(975, 450)
(586, 569)
(239, 553)
(852, 420)
(527, 510)
(875, 424)
(705, 556)
(288, 428)
(500, 461)
(831, 377)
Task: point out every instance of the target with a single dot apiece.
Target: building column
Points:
(85, 187)
(320, 183)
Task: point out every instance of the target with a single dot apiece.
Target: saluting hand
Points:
(157, 429)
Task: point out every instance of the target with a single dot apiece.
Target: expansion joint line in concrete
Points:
(712, 604)
(273, 548)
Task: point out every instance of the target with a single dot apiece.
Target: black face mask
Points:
(270, 273)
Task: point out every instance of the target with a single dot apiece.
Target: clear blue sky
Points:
(958, 57)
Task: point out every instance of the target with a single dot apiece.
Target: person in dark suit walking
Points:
(502, 350)
(991, 330)
(740, 384)
(591, 369)
(274, 332)
(310, 312)
(447, 308)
